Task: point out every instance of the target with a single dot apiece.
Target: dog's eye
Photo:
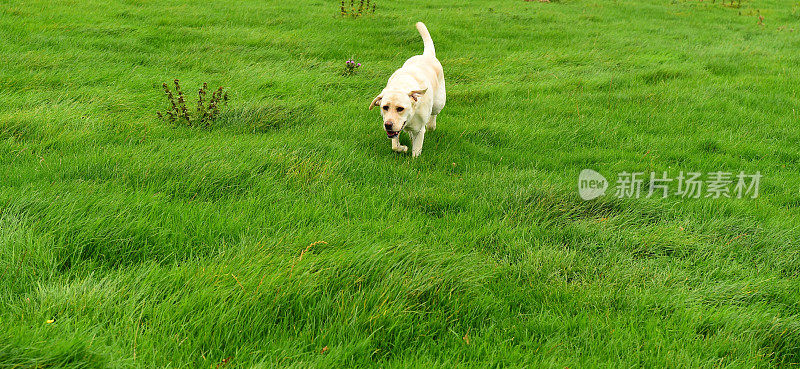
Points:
(386, 107)
(399, 109)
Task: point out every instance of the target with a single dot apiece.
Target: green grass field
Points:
(290, 235)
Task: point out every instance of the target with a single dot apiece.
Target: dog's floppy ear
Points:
(414, 95)
(376, 101)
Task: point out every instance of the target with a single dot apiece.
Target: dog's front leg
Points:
(431, 125)
(416, 142)
(396, 146)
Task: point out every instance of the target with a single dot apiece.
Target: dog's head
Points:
(396, 108)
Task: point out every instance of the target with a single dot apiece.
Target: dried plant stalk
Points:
(206, 112)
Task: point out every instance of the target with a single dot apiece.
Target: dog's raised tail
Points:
(426, 39)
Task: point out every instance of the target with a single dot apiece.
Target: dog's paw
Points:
(401, 148)
(415, 154)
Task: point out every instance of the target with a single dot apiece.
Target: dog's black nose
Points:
(388, 126)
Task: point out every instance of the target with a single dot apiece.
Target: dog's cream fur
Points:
(413, 97)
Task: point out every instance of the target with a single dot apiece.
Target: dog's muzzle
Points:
(389, 132)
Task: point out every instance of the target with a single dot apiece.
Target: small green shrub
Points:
(350, 67)
(204, 115)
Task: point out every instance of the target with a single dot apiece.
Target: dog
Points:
(413, 97)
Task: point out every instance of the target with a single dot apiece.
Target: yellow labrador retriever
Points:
(413, 97)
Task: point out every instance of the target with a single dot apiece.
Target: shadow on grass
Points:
(268, 118)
